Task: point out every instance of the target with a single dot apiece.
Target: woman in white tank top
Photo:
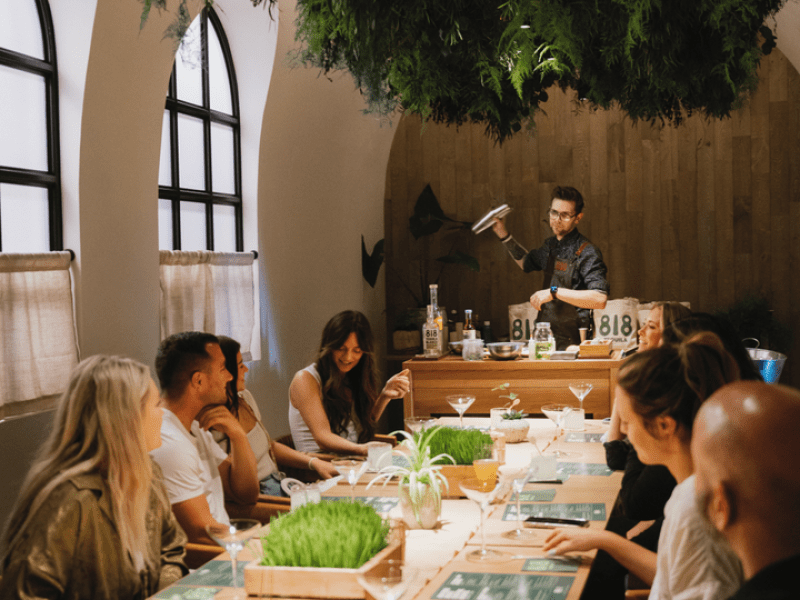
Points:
(269, 454)
(334, 403)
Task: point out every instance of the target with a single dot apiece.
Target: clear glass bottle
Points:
(440, 316)
(543, 341)
(431, 335)
(470, 333)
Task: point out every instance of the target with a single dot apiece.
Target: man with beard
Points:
(574, 272)
(746, 452)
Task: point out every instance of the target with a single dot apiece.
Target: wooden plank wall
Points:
(706, 212)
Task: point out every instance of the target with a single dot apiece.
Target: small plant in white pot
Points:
(421, 480)
(512, 423)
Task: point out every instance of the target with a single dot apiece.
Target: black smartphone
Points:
(554, 522)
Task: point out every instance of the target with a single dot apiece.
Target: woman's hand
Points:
(578, 539)
(325, 469)
(397, 386)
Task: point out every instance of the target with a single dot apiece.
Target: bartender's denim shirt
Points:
(591, 271)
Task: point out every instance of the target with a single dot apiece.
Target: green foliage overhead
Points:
(457, 61)
(339, 535)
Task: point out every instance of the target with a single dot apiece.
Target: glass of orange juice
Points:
(486, 471)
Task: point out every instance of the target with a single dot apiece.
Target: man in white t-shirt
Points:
(197, 473)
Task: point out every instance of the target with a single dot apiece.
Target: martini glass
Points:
(460, 404)
(556, 413)
(352, 469)
(581, 389)
(233, 538)
(388, 580)
(521, 534)
(482, 493)
(417, 424)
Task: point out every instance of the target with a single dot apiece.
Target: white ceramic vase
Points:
(514, 430)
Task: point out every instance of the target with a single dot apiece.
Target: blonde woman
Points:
(92, 519)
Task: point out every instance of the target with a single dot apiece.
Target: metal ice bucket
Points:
(769, 363)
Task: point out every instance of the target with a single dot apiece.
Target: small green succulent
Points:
(514, 415)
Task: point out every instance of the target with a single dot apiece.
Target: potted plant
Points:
(463, 446)
(427, 221)
(318, 551)
(421, 480)
(512, 423)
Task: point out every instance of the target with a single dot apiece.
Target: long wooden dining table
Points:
(438, 556)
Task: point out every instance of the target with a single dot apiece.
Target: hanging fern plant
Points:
(457, 61)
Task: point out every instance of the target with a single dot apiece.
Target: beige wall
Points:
(313, 176)
(321, 187)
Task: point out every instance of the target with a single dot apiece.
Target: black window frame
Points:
(174, 193)
(50, 179)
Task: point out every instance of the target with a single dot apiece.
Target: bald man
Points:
(746, 453)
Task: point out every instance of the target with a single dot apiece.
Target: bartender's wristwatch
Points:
(553, 291)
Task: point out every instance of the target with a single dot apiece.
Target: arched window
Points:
(30, 171)
(200, 183)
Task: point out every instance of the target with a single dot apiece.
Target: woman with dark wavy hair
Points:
(334, 403)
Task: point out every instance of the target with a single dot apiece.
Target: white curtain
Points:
(211, 292)
(38, 345)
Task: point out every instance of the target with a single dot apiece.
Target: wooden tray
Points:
(594, 349)
(310, 582)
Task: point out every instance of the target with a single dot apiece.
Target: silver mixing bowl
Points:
(504, 350)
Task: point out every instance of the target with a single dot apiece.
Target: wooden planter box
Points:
(309, 582)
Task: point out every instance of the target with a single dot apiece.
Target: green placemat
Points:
(496, 586)
(545, 495)
(215, 573)
(578, 436)
(590, 511)
(379, 503)
(558, 564)
(182, 592)
(562, 477)
(571, 468)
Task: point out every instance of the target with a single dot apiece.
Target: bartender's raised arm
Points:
(306, 396)
(513, 247)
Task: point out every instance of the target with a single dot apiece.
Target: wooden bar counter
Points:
(536, 382)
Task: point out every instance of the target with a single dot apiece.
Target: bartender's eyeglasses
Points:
(554, 214)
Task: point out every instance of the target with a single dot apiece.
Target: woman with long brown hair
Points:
(334, 403)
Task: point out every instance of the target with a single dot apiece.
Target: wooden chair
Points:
(262, 510)
(199, 554)
(635, 587)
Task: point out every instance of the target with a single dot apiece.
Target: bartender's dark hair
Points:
(361, 380)
(673, 380)
(230, 348)
(570, 194)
